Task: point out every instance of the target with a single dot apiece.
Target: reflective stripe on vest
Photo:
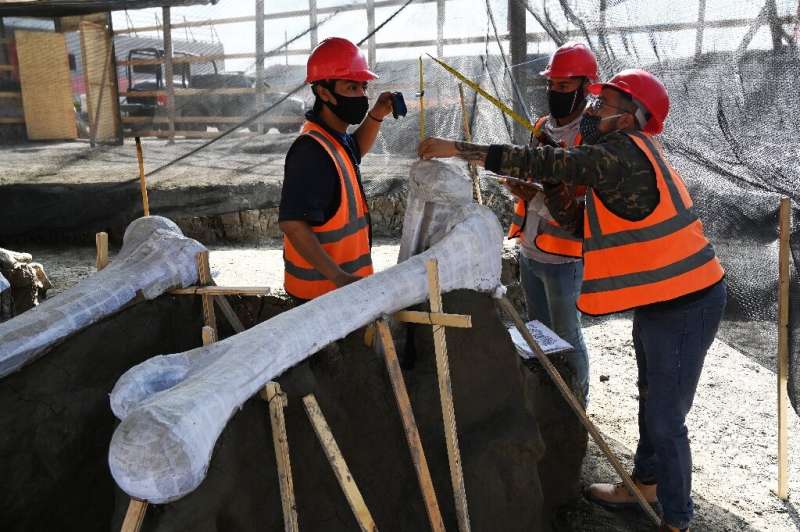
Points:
(521, 206)
(345, 237)
(629, 264)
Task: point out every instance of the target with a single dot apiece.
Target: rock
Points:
(28, 283)
(604, 378)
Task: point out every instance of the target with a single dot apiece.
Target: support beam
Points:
(338, 464)
(371, 54)
(260, 86)
(312, 21)
(519, 52)
(101, 246)
(701, 19)
(446, 399)
(280, 440)
(204, 278)
(785, 221)
(774, 25)
(440, 14)
(410, 428)
(134, 517)
(168, 71)
(430, 318)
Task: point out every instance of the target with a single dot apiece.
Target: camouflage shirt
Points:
(615, 168)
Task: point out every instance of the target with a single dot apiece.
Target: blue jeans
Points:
(671, 345)
(551, 291)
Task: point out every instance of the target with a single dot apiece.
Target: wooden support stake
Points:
(229, 313)
(473, 170)
(204, 278)
(429, 318)
(209, 335)
(340, 469)
(142, 179)
(783, 348)
(277, 402)
(101, 247)
(410, 427)
(573, 402)
(221, 291)
(169, 79)
(421, 96)
(446, 397)
(134, 517)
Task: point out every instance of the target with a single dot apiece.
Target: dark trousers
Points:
(671, 345)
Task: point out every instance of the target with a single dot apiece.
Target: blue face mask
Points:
(590, 128)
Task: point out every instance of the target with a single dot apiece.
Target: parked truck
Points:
(286, 117)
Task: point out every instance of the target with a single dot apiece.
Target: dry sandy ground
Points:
(732, 425)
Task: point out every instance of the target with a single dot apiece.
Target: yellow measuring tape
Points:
(477, 88)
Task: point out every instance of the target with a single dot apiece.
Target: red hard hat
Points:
(337, 58)
(646, 89)
(571, 60)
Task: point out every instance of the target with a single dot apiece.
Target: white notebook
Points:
(549, 341)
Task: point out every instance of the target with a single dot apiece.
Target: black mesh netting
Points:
(731, 67)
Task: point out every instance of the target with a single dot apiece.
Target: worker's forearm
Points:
(580, 165)
(366, 134)
(306, 243)
(472, 152)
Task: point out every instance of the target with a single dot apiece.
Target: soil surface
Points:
(733, 424)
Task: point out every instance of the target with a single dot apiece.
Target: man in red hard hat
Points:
(323, 212)
(550, 257)
(643, 250)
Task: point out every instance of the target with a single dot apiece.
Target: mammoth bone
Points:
(174, 407)
(155, 257)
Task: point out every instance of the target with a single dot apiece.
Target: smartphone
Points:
(398, 105)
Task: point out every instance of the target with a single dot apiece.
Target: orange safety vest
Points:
(551, 238)
(345, 237)
(629, 264)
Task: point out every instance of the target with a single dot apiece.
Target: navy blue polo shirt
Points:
(311, 189)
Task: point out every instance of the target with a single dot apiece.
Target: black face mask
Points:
(590, 132)
(350, 109)
(564, 103)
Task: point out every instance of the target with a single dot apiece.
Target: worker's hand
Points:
(521, 191)
(345, 278)
(383, 106)
(436, 147)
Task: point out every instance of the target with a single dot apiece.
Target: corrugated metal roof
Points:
(64, 8)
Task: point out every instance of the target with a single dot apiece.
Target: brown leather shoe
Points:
(617, 497)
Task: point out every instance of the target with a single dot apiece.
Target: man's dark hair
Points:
(318, 103)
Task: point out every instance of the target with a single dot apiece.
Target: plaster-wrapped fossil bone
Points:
(155, 257)
(173, 408)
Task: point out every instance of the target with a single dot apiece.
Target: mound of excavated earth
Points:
(516, 433)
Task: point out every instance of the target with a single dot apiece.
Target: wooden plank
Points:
(169, 74)
(12, 120)
(134, 516)
(8, 68)
(192, 92)
(371, 52)
(223, 290)
(446, 398)
(785, 226)
(187, 134)
(410, 428)
(204, 278)
(473, 169)
(10, 94)
(209, 335)
(229, 313)
(206, 119)
(440, 17)
(338, 464)
(460, 321)
(46, 85)
(312, 22)
(701, 18)
(271, 16)
(142, 178)
(280, 440)
(260, 85)
(102, 98)
(101, 248)
(573, 402)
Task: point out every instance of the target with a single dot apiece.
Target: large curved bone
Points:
(175, 407)
(155, 257)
